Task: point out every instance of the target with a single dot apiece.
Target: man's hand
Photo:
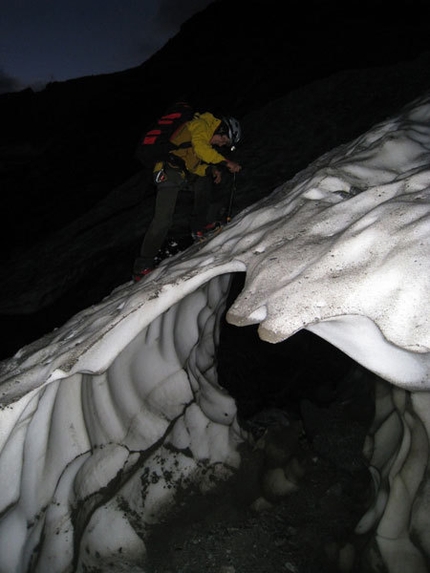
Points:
(217, 175)
(233, 167)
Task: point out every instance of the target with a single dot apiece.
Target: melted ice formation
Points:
(105, 417)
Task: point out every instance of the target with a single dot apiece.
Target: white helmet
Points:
(234, 130)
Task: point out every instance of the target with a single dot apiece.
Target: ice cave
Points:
(105, 418)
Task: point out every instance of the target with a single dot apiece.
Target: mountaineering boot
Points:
(206, 232)
(197, 236)
(210, 227)
(138, 275)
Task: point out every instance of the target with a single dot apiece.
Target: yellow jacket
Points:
(199, 132)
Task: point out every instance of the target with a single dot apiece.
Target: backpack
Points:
(154, 144)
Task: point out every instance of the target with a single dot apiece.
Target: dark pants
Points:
(165, 204)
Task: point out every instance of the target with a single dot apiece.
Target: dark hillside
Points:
(64, 148)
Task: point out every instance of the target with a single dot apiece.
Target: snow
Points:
(125, 393)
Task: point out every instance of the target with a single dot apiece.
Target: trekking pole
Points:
(232, 192)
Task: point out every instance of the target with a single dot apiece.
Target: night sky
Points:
(46, 40)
